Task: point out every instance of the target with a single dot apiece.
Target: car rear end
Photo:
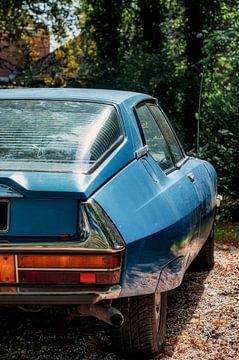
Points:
(57, 245)
(66, 269)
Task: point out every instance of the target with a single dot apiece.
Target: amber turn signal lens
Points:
(7, 269)
(70, 261)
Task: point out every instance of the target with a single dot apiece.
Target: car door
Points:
(165, 162)
(200, 174)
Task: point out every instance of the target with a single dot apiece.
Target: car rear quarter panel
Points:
(156, 222)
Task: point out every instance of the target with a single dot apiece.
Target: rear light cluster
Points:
(61, 269)
(96, 257)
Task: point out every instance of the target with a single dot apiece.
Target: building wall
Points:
(16, 56)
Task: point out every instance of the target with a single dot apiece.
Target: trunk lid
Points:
(39, 206)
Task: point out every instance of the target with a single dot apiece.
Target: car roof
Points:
(99, 95)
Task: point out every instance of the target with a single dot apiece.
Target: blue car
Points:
(101, 210)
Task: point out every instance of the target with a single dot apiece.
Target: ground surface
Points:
(203, 323)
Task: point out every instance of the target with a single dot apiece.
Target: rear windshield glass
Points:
(56, 135)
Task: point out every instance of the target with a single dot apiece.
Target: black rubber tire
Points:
(143, 330)
(205, 258)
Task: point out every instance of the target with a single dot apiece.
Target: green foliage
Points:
(220, 109)
(23, 22)
(17, 17)
(161, 47)
(227, 232)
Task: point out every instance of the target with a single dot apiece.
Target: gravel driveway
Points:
(203, 323)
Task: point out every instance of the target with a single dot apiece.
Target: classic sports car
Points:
(100, 208)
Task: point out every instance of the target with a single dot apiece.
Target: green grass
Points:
(227, 233)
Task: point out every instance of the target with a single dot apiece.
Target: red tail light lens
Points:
(48, 277)
(69, 277)
(87, 278)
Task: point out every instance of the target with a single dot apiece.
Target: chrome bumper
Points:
(18, 295)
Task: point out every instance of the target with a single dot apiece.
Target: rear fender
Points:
(157, 240)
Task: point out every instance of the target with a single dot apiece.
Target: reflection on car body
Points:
(100, 208)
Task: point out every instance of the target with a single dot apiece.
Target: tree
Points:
(201, 17)
(100, 32)
(18, 16)
(160, 47)
(220, 108)
(151, 17)
(22, 21)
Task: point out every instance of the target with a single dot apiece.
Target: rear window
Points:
(55, 136)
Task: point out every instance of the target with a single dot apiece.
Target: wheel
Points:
(205, 259)
(144, 326)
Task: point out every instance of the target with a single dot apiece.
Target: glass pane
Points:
(55, 135)
(172, 141)
(154, 138)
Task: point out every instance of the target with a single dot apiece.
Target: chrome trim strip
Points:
(16, 268)
(92, 218)
(218, 200)
(181, 162)
(69, 269)
(141, 152)
(33, 248)
(112, 293)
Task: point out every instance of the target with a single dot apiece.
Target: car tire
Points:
(205, 258)
(143, 330)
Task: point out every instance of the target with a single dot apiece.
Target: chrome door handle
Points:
(191, 177)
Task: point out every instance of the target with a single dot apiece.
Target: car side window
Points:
(154, 138)
(168, 133)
